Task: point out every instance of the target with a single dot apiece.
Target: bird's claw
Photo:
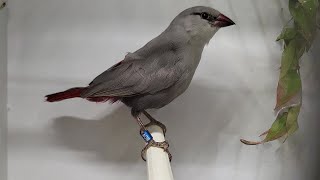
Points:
(163, 145)
(157, 123)
(153, 121)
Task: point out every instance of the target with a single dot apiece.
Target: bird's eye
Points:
(204, 15)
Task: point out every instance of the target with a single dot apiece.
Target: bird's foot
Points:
(157, 123)
(163, 145)
(153, 121)
(149, 139)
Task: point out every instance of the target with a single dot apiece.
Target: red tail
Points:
(68, 94)
(76, 92)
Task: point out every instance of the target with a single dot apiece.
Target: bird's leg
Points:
(153, 121)
(146, 135)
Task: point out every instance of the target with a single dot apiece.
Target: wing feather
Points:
(136, 77)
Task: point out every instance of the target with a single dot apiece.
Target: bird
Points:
(157, 73)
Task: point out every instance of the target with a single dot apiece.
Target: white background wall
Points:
(3, 93)
(54, 45)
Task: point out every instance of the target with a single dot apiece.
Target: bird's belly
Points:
(157, 100)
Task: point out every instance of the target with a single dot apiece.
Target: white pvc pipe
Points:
(158, 163)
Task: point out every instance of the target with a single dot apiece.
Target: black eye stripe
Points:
(205, 16)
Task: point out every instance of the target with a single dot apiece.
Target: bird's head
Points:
(201, 22)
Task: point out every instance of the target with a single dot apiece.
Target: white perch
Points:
(158, 163)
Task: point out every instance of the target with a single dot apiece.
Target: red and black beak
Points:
(223, 21)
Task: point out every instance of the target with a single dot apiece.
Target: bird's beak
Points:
(223, 21)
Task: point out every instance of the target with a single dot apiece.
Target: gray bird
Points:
(157, 73)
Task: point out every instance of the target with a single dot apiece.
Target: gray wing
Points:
(137, 76)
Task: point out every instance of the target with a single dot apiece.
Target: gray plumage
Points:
(160, 71)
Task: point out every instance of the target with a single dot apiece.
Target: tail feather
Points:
(102, 99)
(75, 93)
(68, 94)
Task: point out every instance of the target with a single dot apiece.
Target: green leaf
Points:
(288, 87)
(278, 128)
(310, 6)
(290, 59)
(300, 47)
(292, 119)
(305, 19)
(285, 124)
(287, 34)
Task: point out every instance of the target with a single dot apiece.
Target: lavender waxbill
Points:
(156, 74)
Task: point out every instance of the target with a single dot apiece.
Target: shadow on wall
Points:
(115, 137)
